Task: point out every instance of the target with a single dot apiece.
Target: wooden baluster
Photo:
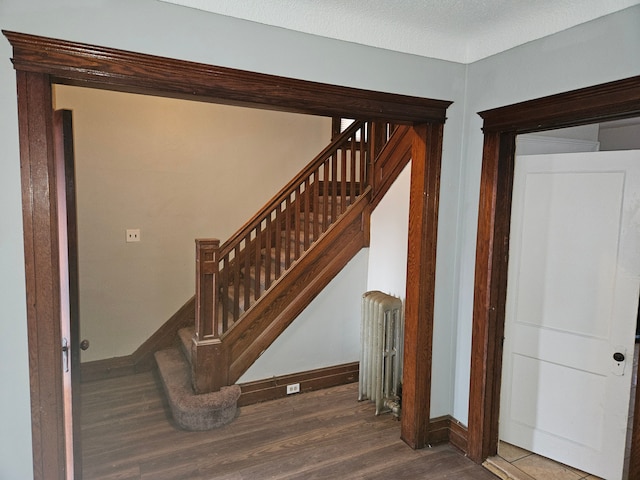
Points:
(247, 271)
(362, 158)
(343, 179)
(278, 241)
(224, 296)
(258, 265)
(325, 196)
(267, 252)
(306, 214)
(352, 172)
(287, 230)
(378, 136)
(369, 162)
(296, 224)
(236, 284)
(297, 221)
(316, 213)
(206, 288)
(334, 186)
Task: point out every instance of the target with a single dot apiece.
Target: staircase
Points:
(249, 289)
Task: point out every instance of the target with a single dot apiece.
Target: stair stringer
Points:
(291, 294)
(392, 159)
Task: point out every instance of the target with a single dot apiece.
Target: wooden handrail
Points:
(231, 277)
(228, 245)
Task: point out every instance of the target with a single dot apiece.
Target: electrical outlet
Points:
(293, 388)
(133, 235)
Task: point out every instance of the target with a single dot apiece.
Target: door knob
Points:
(618, 357)
(84, 344)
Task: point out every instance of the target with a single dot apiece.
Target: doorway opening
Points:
(612, 101)
(42, 62)
(545, 298)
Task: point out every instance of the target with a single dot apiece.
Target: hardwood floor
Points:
(128, 434)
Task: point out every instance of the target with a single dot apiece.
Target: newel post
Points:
(209, 358)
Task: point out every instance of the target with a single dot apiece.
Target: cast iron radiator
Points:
(381, 335)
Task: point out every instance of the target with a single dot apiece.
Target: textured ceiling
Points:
(457, 30)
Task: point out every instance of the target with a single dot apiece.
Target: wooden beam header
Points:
(609, 101)
(100, 67)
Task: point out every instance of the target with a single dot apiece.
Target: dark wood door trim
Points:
(421, 266)
(65, 171)
(38, 172)
(107, 68)
(41, 62)
(615, 100)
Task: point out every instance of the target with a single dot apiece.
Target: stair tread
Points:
(191, 411)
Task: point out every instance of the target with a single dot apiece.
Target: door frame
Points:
(609, 101)
(41, 62)
(65, 165)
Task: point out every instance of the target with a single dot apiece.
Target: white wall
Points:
(620, 137)
(388, 273)
(600, 51)
(177, 170)
(330, 325)
(152, 27)
(389, 239)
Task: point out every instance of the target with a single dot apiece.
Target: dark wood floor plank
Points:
(128, 434)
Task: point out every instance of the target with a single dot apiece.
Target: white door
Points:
(572, 298)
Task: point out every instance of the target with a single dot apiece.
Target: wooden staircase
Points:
(249, 289)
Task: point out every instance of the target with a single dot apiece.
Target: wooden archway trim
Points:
(88, 65)
(41, 62)
(609, 101)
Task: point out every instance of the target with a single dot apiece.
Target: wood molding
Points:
(615, 100)
(142, 359)
(421, 265)
(107, 368)
(41, 243)
(439, 430)
(495, 200)
(458, 435)
(276, 387)
(40, 62)
(78, 64)
(447, 429)
(608, 101)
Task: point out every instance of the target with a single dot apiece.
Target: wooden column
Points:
(206, 288)
(421, 269)
(492, 250)
(378, 137)
(209, 358)
(209, 365)
(42, 270)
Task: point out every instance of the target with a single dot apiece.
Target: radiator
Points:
(381, 335)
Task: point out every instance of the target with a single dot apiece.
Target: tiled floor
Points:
(513, 463)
